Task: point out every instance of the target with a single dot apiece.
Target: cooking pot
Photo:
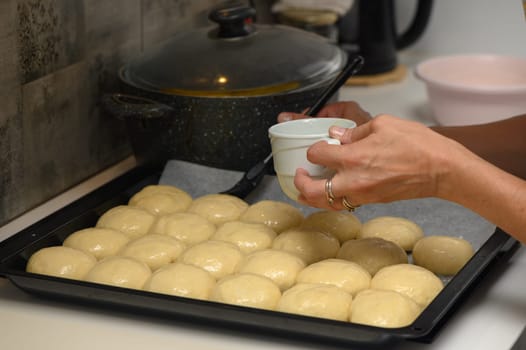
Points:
(209, 95)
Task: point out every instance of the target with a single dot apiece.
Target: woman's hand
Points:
(389, 159)
(383, 160)
(348, 110)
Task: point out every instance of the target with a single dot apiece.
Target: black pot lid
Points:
(236, 58)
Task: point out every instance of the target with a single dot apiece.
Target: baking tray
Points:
(52, 230)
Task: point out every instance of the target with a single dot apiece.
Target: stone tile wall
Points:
(57, 58)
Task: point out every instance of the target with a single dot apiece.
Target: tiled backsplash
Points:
(57, 58)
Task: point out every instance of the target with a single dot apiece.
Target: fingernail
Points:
(336, 131)
(284, 117)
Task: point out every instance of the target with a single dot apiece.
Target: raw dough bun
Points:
(279, 266)
(279, 216)
(155, 250)
(99, 242)
(342, 225)
(120, 271)
(218, 208)
(372, 253)
(443, 255)
(182, 280)
(247, 236)
(318, 300)
(61, 261)
(399, 230)
(161, 199)
(247, 290)
(416, 282)
(134, 222)
(311, 246)
(384, 308)
(347, 275)
(187, 227)
(217, 257)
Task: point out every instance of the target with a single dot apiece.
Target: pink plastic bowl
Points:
(474, 89)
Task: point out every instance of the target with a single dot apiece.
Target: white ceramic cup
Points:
(289, 142)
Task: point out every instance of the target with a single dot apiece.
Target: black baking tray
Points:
(52, 230)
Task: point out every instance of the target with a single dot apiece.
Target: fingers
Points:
(361, 132)
(314, 192)
(348, 135)
(341, 134)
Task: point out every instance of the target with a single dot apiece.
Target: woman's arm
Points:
(493, 193)
(502, 143)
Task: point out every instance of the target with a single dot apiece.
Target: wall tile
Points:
(113, 26)
(11, 156)
(9, 71)
(50, 35)
(11, 173)
(63, 142)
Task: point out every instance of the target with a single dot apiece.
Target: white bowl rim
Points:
(515, 89)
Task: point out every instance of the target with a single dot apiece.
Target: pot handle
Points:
(124, 106)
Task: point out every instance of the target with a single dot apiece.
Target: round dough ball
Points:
(187, 227)
(279, 216)
(442, 255)
(278, 265)
(311, 246)
(219, 258)
(399, 230)
(247, 290)
(247, 236)
(119, 271)
(372, 253)
(342, 225)
(347, 275)
(132, 221)
(155, 250)
(162, 203)
(99, 242)
(384, 308)
(414, 281)
(317, 300)
(182, 280)
(161, 199)
(155, 189)
(218, 208)
(61, 261)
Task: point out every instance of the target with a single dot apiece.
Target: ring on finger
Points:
(348, 205)
(328, 191)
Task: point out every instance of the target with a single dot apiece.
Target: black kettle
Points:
(375, 36)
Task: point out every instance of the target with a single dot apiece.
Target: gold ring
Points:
(328, 192)
(348, 205)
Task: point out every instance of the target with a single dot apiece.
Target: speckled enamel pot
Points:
(227, 133)
(209, 96)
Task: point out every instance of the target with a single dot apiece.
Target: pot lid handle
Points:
(234, 21)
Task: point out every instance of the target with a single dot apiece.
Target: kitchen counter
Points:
(493, 316)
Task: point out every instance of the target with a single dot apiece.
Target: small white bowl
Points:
(474, 89)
